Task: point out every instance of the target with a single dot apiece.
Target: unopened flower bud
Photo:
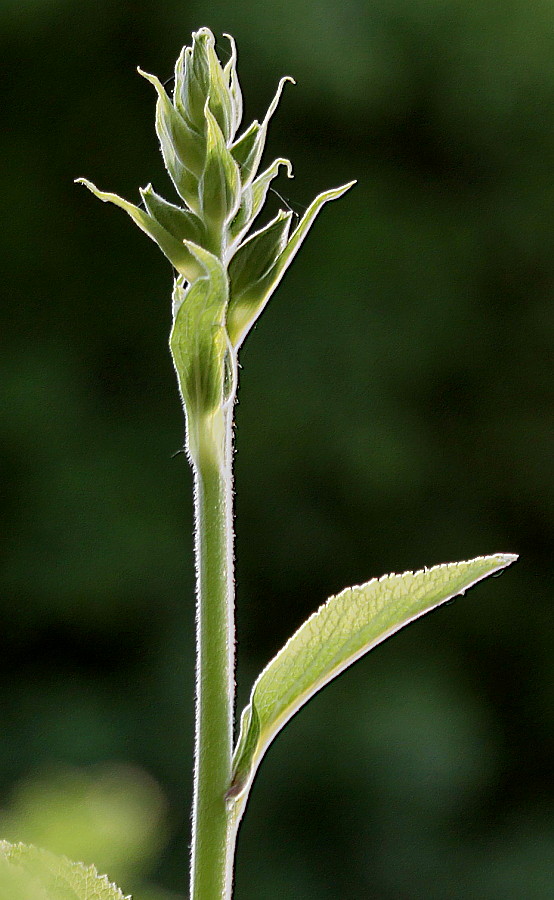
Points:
(225, 274)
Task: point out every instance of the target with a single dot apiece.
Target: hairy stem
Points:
(213, 836)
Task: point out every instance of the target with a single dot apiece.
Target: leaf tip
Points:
(345, 187)
(506, 559)
(510, 557)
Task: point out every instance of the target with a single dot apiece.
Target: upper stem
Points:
(213, 835)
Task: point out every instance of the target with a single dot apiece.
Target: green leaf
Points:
(245, 307)
(177, 253)
(199, 342)
(27, 873)
(340, 632)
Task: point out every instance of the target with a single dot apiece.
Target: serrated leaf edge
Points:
(8, 849)
(504, 559)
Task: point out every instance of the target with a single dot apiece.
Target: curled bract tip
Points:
(232, 42)
(153, 79)
(203, 32)
(92, 188)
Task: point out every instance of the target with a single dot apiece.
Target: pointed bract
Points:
(195, 87)
(199, 342)
(257, 256)
(220, 100)
(252, 201)
(248, 149)
(245, 151)
(230, 73)
(249, 304)
(220, 184)
(200, 79)
(172, 129)
(183, 224)
(176, 252)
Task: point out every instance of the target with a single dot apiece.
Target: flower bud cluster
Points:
(225, 271)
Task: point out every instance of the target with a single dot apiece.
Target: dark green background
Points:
(395, 411)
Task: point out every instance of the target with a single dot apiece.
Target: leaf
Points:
(247, 306)
(177, 253)
(27, 873)
(346, 627)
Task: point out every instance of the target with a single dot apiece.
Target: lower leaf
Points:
(340, 632)
(27, 873)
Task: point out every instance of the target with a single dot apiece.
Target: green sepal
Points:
(192, 81)
(249, 304)
(199, 342)
(220, 183)
(183, 224)
(219, 95)
(258, 255)
(235, 93)
(172, 128)
(180, 91)
(177, 253)
(199, 78)
(182, 150)
(346, 627)
(253, 199)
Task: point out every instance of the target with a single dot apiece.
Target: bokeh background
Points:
(396, 410)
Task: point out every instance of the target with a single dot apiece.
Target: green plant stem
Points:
(213, 835)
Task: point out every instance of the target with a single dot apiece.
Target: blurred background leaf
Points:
(395, 411)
